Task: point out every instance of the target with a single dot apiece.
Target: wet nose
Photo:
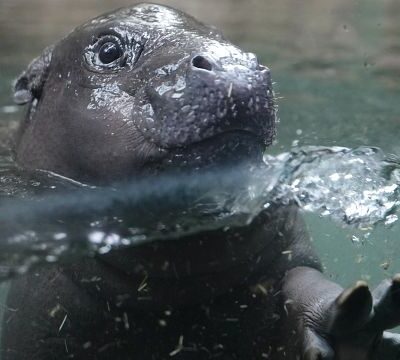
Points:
(201, 62)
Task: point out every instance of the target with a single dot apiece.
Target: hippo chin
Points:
(148, 89)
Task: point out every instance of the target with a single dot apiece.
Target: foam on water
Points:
(357, 187)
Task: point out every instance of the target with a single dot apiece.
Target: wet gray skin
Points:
(146, 89)
(139, 89)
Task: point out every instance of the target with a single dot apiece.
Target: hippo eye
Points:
(110, 52)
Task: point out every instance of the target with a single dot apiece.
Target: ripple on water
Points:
(46, 217)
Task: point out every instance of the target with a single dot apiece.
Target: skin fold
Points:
(146, 90)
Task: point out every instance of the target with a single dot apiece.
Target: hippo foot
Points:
(352, 325)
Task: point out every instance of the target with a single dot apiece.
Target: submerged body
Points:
(215, 295)
(145, 90)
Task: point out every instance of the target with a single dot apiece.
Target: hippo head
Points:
(141, 89)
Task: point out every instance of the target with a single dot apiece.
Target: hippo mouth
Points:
(221, 150)
(220, 140)
(241, 135)
(245, 135)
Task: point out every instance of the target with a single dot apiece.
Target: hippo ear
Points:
(29, 84)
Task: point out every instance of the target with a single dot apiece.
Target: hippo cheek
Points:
(100, 135)
(169, 125)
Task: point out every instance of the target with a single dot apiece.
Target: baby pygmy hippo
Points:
(138, 92)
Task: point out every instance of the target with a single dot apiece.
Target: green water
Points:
(336, 65)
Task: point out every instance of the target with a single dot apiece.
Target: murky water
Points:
(337, 71)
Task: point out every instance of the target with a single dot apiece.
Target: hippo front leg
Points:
(329, 323)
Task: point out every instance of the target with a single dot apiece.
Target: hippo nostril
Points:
(201, 62)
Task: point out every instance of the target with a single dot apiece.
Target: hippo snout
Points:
(207, 98)
(204, 61)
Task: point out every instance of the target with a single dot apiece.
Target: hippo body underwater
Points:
(138, 92)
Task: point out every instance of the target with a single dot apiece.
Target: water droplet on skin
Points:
(186, 108)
